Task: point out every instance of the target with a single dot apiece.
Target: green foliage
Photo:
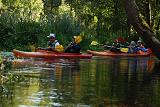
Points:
(96, 47)
(6, 37)
(28, 22)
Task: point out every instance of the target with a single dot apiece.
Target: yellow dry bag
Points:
(59, 48)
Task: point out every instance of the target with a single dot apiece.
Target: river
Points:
(96, 82)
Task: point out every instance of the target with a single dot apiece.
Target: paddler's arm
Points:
(40, 48)
(68, 47)
(46, 49)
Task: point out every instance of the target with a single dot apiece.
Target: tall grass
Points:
(20, 33)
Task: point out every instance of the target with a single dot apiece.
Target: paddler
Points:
(53, 44)
(74, 46)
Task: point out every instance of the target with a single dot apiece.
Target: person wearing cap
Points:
(74, 46)
(141, 47)
(133, 47)
(53, 44)
(117, 44)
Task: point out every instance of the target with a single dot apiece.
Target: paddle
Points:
(58, 48)
(125, 50)
(78, 39)
(94, 43)
(40, 48)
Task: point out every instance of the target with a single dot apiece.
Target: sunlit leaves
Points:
(26, 9)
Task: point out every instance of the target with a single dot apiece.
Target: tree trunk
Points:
(158, 24)
(148, 11)
(128, 27)
(141, 27)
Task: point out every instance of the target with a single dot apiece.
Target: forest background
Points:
(24, 23)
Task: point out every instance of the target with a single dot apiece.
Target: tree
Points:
(141, 27)
(51, 6)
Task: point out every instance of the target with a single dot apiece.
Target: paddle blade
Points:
(78, 39)
(124, 50)
(94, 43)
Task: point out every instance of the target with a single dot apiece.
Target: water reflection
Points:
(134, 87)
(100, 82)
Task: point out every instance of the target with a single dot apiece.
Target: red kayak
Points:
(114, 54)
(50, 55)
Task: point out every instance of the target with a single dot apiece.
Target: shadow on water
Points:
(139, 86)
(99, 82)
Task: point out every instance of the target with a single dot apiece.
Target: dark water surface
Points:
(99, 82)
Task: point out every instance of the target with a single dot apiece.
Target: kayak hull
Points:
(120, 54)
(50, 55)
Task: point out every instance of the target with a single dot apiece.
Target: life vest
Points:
(52, 44)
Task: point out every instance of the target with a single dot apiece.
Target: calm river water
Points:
(97, 82)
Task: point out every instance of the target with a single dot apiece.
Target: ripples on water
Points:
(98, 82)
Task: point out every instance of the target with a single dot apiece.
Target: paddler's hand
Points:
(50, 49)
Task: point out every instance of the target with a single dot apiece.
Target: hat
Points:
(52, 35)
(133, 43)
(74, 37)
(139, 41)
